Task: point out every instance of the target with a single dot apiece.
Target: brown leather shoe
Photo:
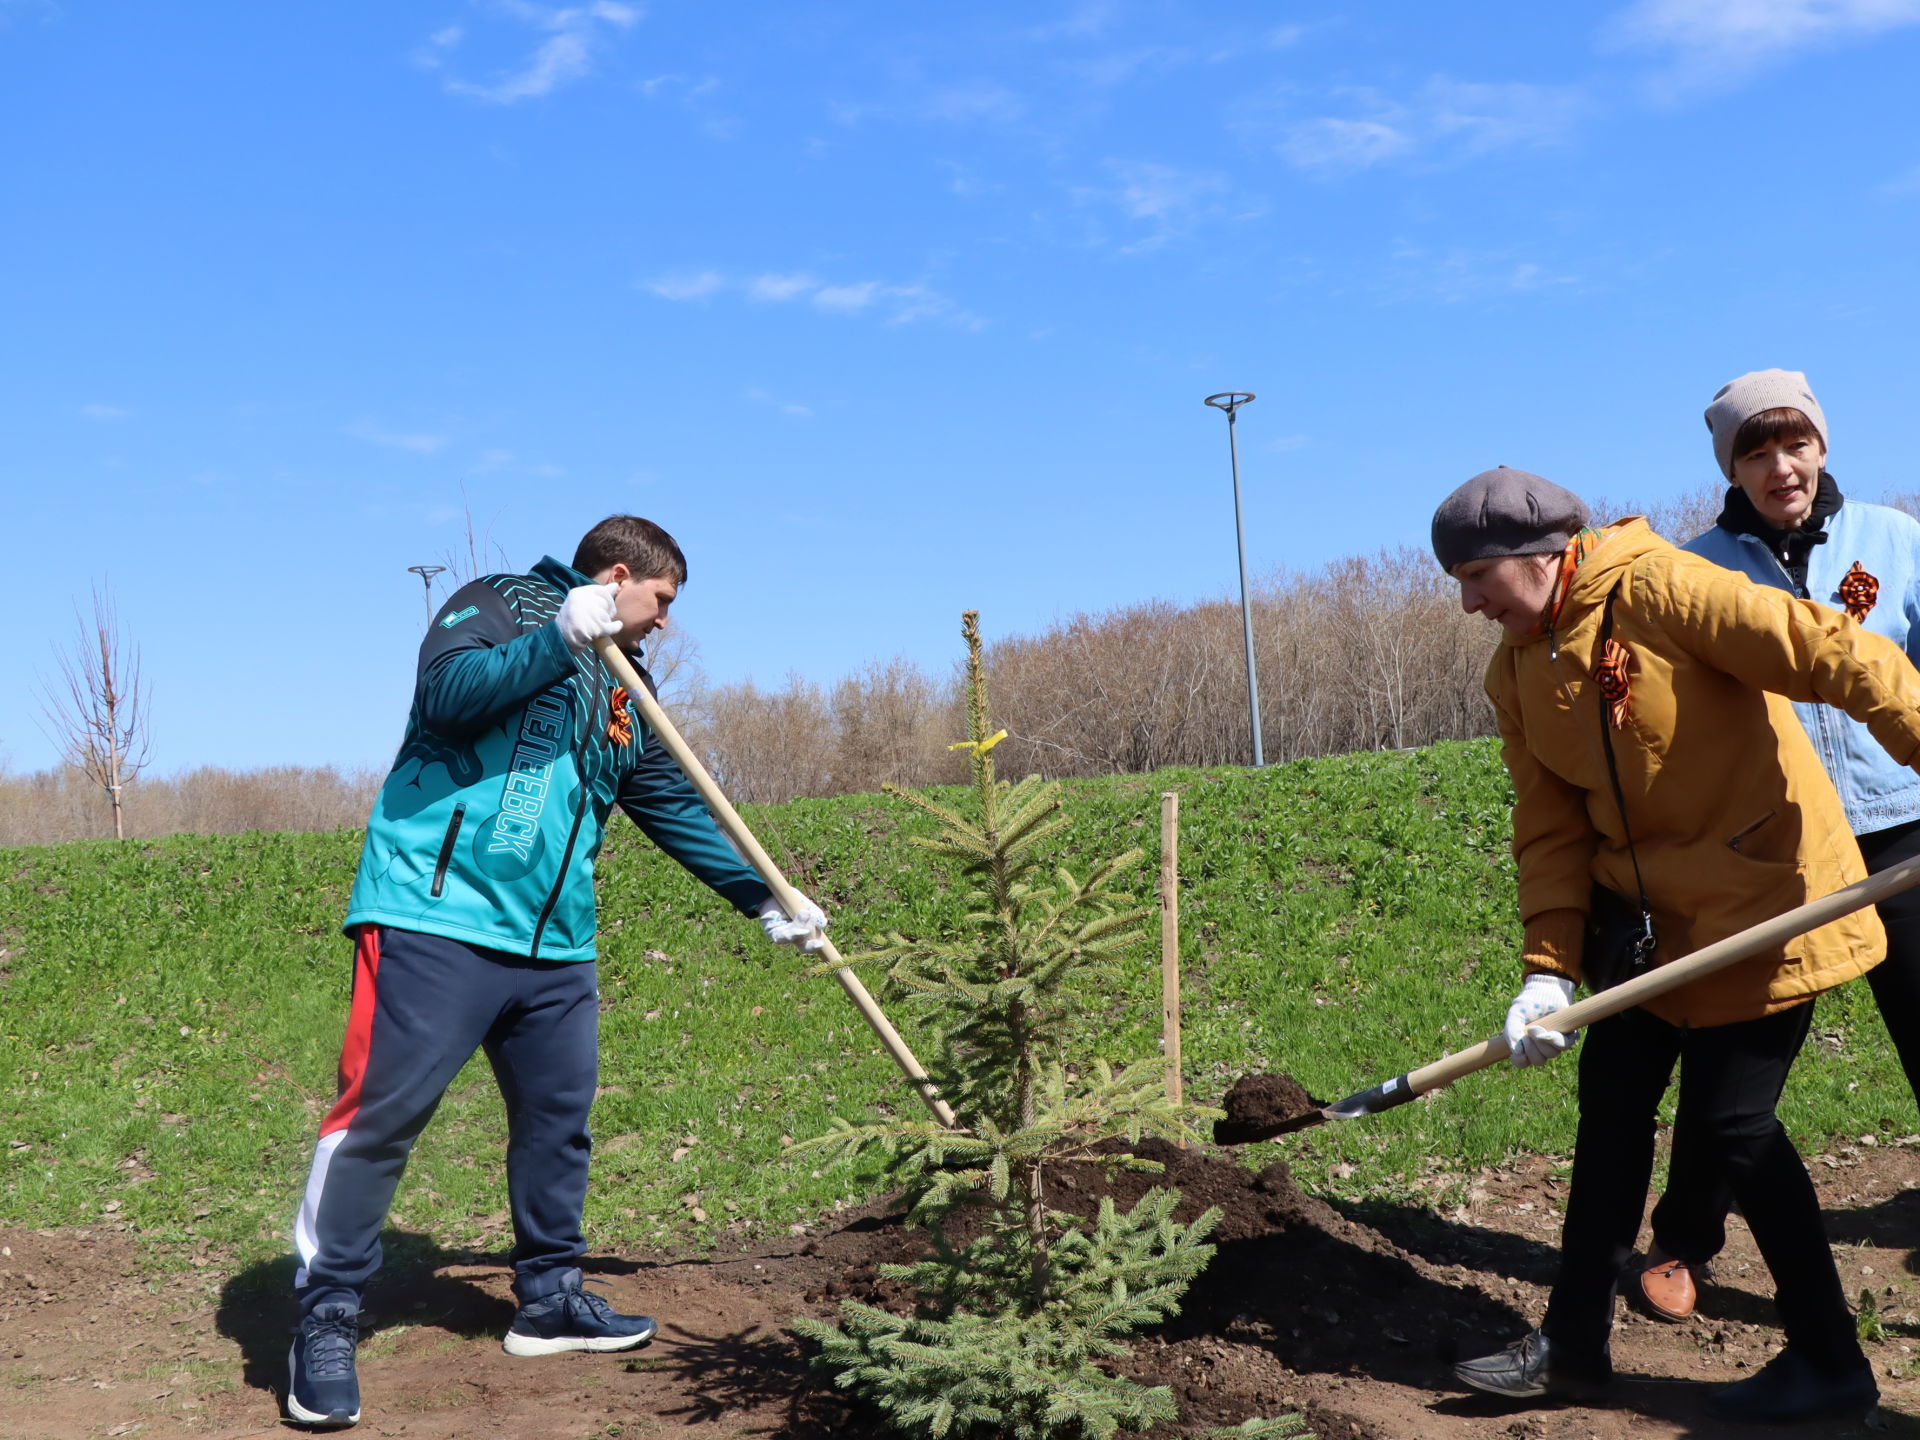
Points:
(1668, 1286)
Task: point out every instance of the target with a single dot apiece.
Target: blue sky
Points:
(884, 310)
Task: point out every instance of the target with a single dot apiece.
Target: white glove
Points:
(587, 614)
(808, 929)
(1538, 998)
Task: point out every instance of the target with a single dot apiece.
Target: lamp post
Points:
(1230, 401)
(426, 574)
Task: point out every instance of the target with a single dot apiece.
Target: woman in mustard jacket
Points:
(1642, 696)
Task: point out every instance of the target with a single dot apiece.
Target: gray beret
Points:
(1505, 512)
(1754, 393)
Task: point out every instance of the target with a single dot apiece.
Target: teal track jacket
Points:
(487, 828)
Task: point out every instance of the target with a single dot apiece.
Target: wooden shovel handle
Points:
(736, 830)
(1672, 976)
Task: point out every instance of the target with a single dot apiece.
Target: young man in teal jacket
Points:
(472, 918)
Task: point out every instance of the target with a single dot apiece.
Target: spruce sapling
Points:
(1018, 1303)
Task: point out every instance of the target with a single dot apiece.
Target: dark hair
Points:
(642, 546)
(1783, 425)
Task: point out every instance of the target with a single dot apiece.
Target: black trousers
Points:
(1730, 1081)
(1690, 1222)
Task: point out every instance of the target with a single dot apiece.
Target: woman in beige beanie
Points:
(1786, 524)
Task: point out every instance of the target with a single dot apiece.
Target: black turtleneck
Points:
(1790, 547)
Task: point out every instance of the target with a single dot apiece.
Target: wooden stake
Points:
(1170, 943)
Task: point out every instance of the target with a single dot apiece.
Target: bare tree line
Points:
(1366, 653)
(49, 807)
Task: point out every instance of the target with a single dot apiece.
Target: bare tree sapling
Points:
(97, 708)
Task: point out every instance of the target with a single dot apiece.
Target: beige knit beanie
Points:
(1752, 394)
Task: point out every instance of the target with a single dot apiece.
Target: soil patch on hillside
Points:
(1352, 1314)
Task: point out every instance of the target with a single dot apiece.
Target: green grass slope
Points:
(171, 1010)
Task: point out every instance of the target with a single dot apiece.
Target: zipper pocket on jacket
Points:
(566, 856)
(1733, 842)
(446, 850)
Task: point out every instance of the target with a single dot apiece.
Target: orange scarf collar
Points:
(1571, 559)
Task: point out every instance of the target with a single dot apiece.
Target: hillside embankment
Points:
(173, 1010)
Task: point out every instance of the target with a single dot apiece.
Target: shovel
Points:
(736, 830)
(1715, 957)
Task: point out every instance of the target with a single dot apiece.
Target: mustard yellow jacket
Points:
(1733, 817)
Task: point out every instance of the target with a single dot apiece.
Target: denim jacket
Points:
(1876, 790)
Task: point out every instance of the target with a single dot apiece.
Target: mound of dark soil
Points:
(1259, 1107)
(1295, 1288)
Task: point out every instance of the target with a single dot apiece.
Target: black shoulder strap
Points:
(1643, 945)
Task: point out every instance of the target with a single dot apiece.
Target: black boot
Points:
(1791, 1387)
(1531, 1367)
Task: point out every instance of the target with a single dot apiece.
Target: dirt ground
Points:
(1350, 1316)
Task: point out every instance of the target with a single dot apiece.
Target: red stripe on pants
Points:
(353, 1050)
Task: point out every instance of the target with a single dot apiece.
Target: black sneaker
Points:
(1529, 1368)
(322, 1389)
(574, 1319)
(1791, 1388)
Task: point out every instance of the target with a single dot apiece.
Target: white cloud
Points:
(1499, 116)
(688, 287)
(1161, 200)
(1331, 143)
(433, 54)
(901, 304)
(1082, 21)
(45, 10)
(1151, 191)
(575, 33)
(780, 287)
(1747, 30)
(104, 412)
(966, 184)
(916, 302)
(418, 443)
(1906, 184)
(847, 297)
(1445, 118)
(662, 87)
(1715, 44)
(977, 102)
(694, 97)
(970, 102)
(785, 407)
(1456, 275)
(1117, 67)
(564, 57)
